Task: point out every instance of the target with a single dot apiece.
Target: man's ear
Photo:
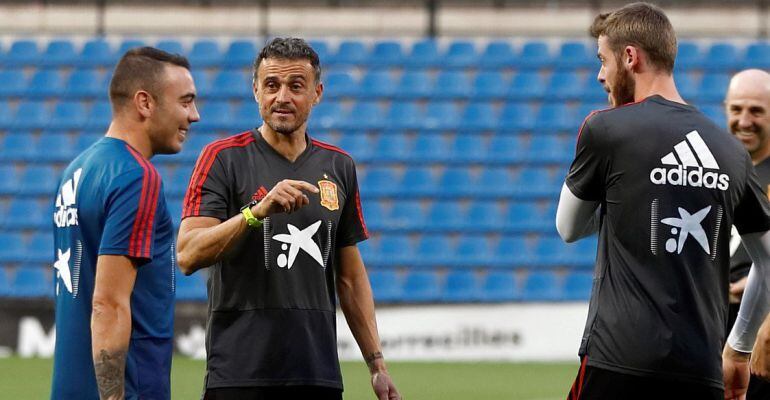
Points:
(632, 58)
(144, 103)
(319, 92)
(255, 90)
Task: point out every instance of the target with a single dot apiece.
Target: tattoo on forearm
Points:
(371, 357)
(110, 376)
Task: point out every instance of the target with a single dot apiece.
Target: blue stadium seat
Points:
(577, 286)
(441, 116)
(378, 181)
(716, 113)
(484, 216)
(11, 247)
(406, 215)
(365, 115)
(239, 54)
(205, 53)
(326, 115)
(6, 116)
(421, 287)
(376, 220)
(517, 117)
(215, 116)
(54, 147)
(17, 146)
(504, 148)
(14, 83)
(524, 217)
(541, 286)
(45, 83)
(190, 288)
(350, 53)
(497, 55)
(175, 183)
(232, 84)
(494, 182)
(99, 117)
(85, 139)
(430, 148)
(549, 149)
(433, 250)
(592, 91)
(96, 53)
(32, 283)
(386, 286)
(534, 182)
(126, 45)
(367, 248)
(39, 180)
(460, 55)
(68, 115)
(424, 54)
(488, 86)
(686, 86)
(551, 251)
(170, 46)
(461, 287)
(575, 55)
(456, 181)
(377, 84)
(722, 57)
(391, 146)
(30, 115)
(386, 54)
(40, 247)
(395, 250)
(451, 85)
(713, 87)
(26, 214)
(687, 56)
(512, 252)
(499, 286)
(9, 180)
(59, 53)
(555, 117)
(564, 86)
(757, 55)
(358, 144)
(474, 251)
(340, 85)
(404, 115)
(5, 284)
(534, 55)
(479, 117)
(444, 216)
(202, 83)
(585, 109)
(193, 146)
(526, 86)
(414, 85)
(22, 53)
(85, 84)
(468, 148)
(321, 48)
(245, 116)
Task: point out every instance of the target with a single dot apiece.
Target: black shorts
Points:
(595, 383)
(273, 393)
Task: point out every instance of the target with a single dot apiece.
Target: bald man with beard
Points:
(747, 106)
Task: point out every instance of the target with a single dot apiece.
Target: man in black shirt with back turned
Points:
(279, 246)
(663, 185)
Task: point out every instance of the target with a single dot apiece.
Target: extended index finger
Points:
(302, 185)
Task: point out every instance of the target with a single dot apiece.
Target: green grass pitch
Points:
(30, 379)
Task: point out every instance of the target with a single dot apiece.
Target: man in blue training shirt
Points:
(114, 240)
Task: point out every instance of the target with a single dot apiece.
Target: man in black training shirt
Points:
(663, 185)
(277, 216)
(747, 105)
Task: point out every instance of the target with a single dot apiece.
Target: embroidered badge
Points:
(259, 194)
(329, 195)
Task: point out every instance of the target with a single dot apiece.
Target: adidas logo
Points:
(65, 215)
(689, 162)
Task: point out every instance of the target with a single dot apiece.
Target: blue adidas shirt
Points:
(110, 201)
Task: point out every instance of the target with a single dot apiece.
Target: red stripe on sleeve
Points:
(361, 214)
(150, 214)
(192, 200)
(136, 239)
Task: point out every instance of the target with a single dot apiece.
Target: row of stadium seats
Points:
(459, 54)
(387, 285)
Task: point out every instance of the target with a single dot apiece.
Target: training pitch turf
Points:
(30, 379)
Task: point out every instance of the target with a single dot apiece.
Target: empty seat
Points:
(430, 148)
(577, 286)
(444, 215)
(386, 286)
(239, 54)
(38, 180)
(456, 181)
(45, 83)
(537, 182)
(358, 144)
(484, 216)
(170, 46)
(414, 85)
(497, 55)
(721, 57)
(40, 248)
(564, 86)
(713, 87)
(378, 181)
(350, 53)
(574, 55)
(365, 115)
(205, 53)
(232, 84)
(517, 117)
(14, 83)
(474, 251)
(479, 117)
(9, 181)
(327, 115)
(128, 44)
(424, 54)
(17, 147)
(489, 85)
(27, 214)
(404, 115)
(687, 56)
(31, 282)
(541, 286)
(512, 252)
(534, 55)
(99, 117)
(394, 250)
(406, 215)
(215, 116)
(68, 115)
(421, 287)
(549, 149)
(499, 287)
(506, 149)
(460, 54)
(757, 55)
(96, 53)
(526, 86)
(434, 250)
(85, 83)
(22, 53)
(555, 117)
(376, 220)
(461, 286)
(391, 146)
(59, 53)
(377, 84)
(321, 48)
(441, 116)
(526, 217)
(30, 115)
(386, 54)
(340, 85)
(54, 147)
(11, 247)
(469, 148)
(451, 85)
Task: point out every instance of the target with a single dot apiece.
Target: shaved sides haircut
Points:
(141, 68)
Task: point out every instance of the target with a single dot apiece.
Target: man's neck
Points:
(655, 83)
(289, 146)
(132, 135)
(758, 156)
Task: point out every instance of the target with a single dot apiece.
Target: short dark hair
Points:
(643, 25)
(141, 68)
(289, 49)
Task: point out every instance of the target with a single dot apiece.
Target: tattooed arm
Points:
(111, 322)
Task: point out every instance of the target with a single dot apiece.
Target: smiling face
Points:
(175, 112)
(748, 112)
(614, 77)
(286, 91)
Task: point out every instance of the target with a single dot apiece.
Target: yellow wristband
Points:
(251, 220)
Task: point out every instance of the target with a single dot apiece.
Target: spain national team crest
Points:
(329, 194)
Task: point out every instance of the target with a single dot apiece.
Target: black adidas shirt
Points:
(272, 301)
(670, 183)
(740, 263)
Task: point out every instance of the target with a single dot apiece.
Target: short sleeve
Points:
(207, 192)
(130, 214)
(753, 212)
(586, 174)
(352, 228)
